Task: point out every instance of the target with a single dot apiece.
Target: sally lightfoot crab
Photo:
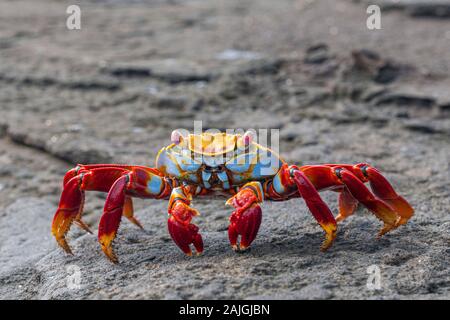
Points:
(228, 164)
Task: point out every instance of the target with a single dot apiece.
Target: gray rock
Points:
(317, 54)
(169, 70)
(283, 263)
(115, 90)
(438, 9)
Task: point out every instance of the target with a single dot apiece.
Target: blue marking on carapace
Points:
(241, 163)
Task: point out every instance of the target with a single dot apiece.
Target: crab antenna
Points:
(176, 137)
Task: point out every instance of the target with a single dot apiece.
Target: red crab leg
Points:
(147, 183)
(70, 208)
(246, 219)
(353, 178)
(347, 204)
(128, 212)
(182, 231)
(380, 186)
(360, 192)
(383, 189)
(316, 205)
(140, 182)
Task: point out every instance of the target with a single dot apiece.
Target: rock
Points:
(387, 73)
(152, 267)
(260, 67)
(176, 103)
(445, 108)
(381, 70)
(427, 127)
(232, 54)
(418, 8)
(26, 223)
(170, 70)
(114, 91)
(81, 84)
(317, 54)
(430, 10)
(130, 72)
(3, 129)
(401, 99)
(86, 151)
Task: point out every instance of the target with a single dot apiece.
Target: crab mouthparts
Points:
(213, 176)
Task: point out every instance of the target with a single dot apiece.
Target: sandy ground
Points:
(114, 90)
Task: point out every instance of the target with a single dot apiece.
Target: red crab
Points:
(228, 164)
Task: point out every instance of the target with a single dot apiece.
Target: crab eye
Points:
(176, 137)
(247, 138)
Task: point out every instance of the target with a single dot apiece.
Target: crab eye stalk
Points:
(176, 137)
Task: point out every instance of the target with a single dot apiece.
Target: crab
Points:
(236, 166)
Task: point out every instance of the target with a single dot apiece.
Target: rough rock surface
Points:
(114, 90)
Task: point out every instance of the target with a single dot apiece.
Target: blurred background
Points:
(338, 91)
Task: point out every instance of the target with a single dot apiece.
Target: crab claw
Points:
(246, 219)
(246, 225)
(182, 231)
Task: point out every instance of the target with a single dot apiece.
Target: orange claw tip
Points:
(106, 240)
(330, 229)
(188, 252)
(330, 234)
(110, 254)
(108, 250)
(401, 221)
(229, 202)
(386, 228)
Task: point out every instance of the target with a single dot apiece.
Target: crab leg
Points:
(383, 189)
(112, 214)
(70, 208)
(316, 205)
(142, 182)
(387, 205)
(347, 204)
(128, 212)
(349, 181)
(246, 219)
(360, 192)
